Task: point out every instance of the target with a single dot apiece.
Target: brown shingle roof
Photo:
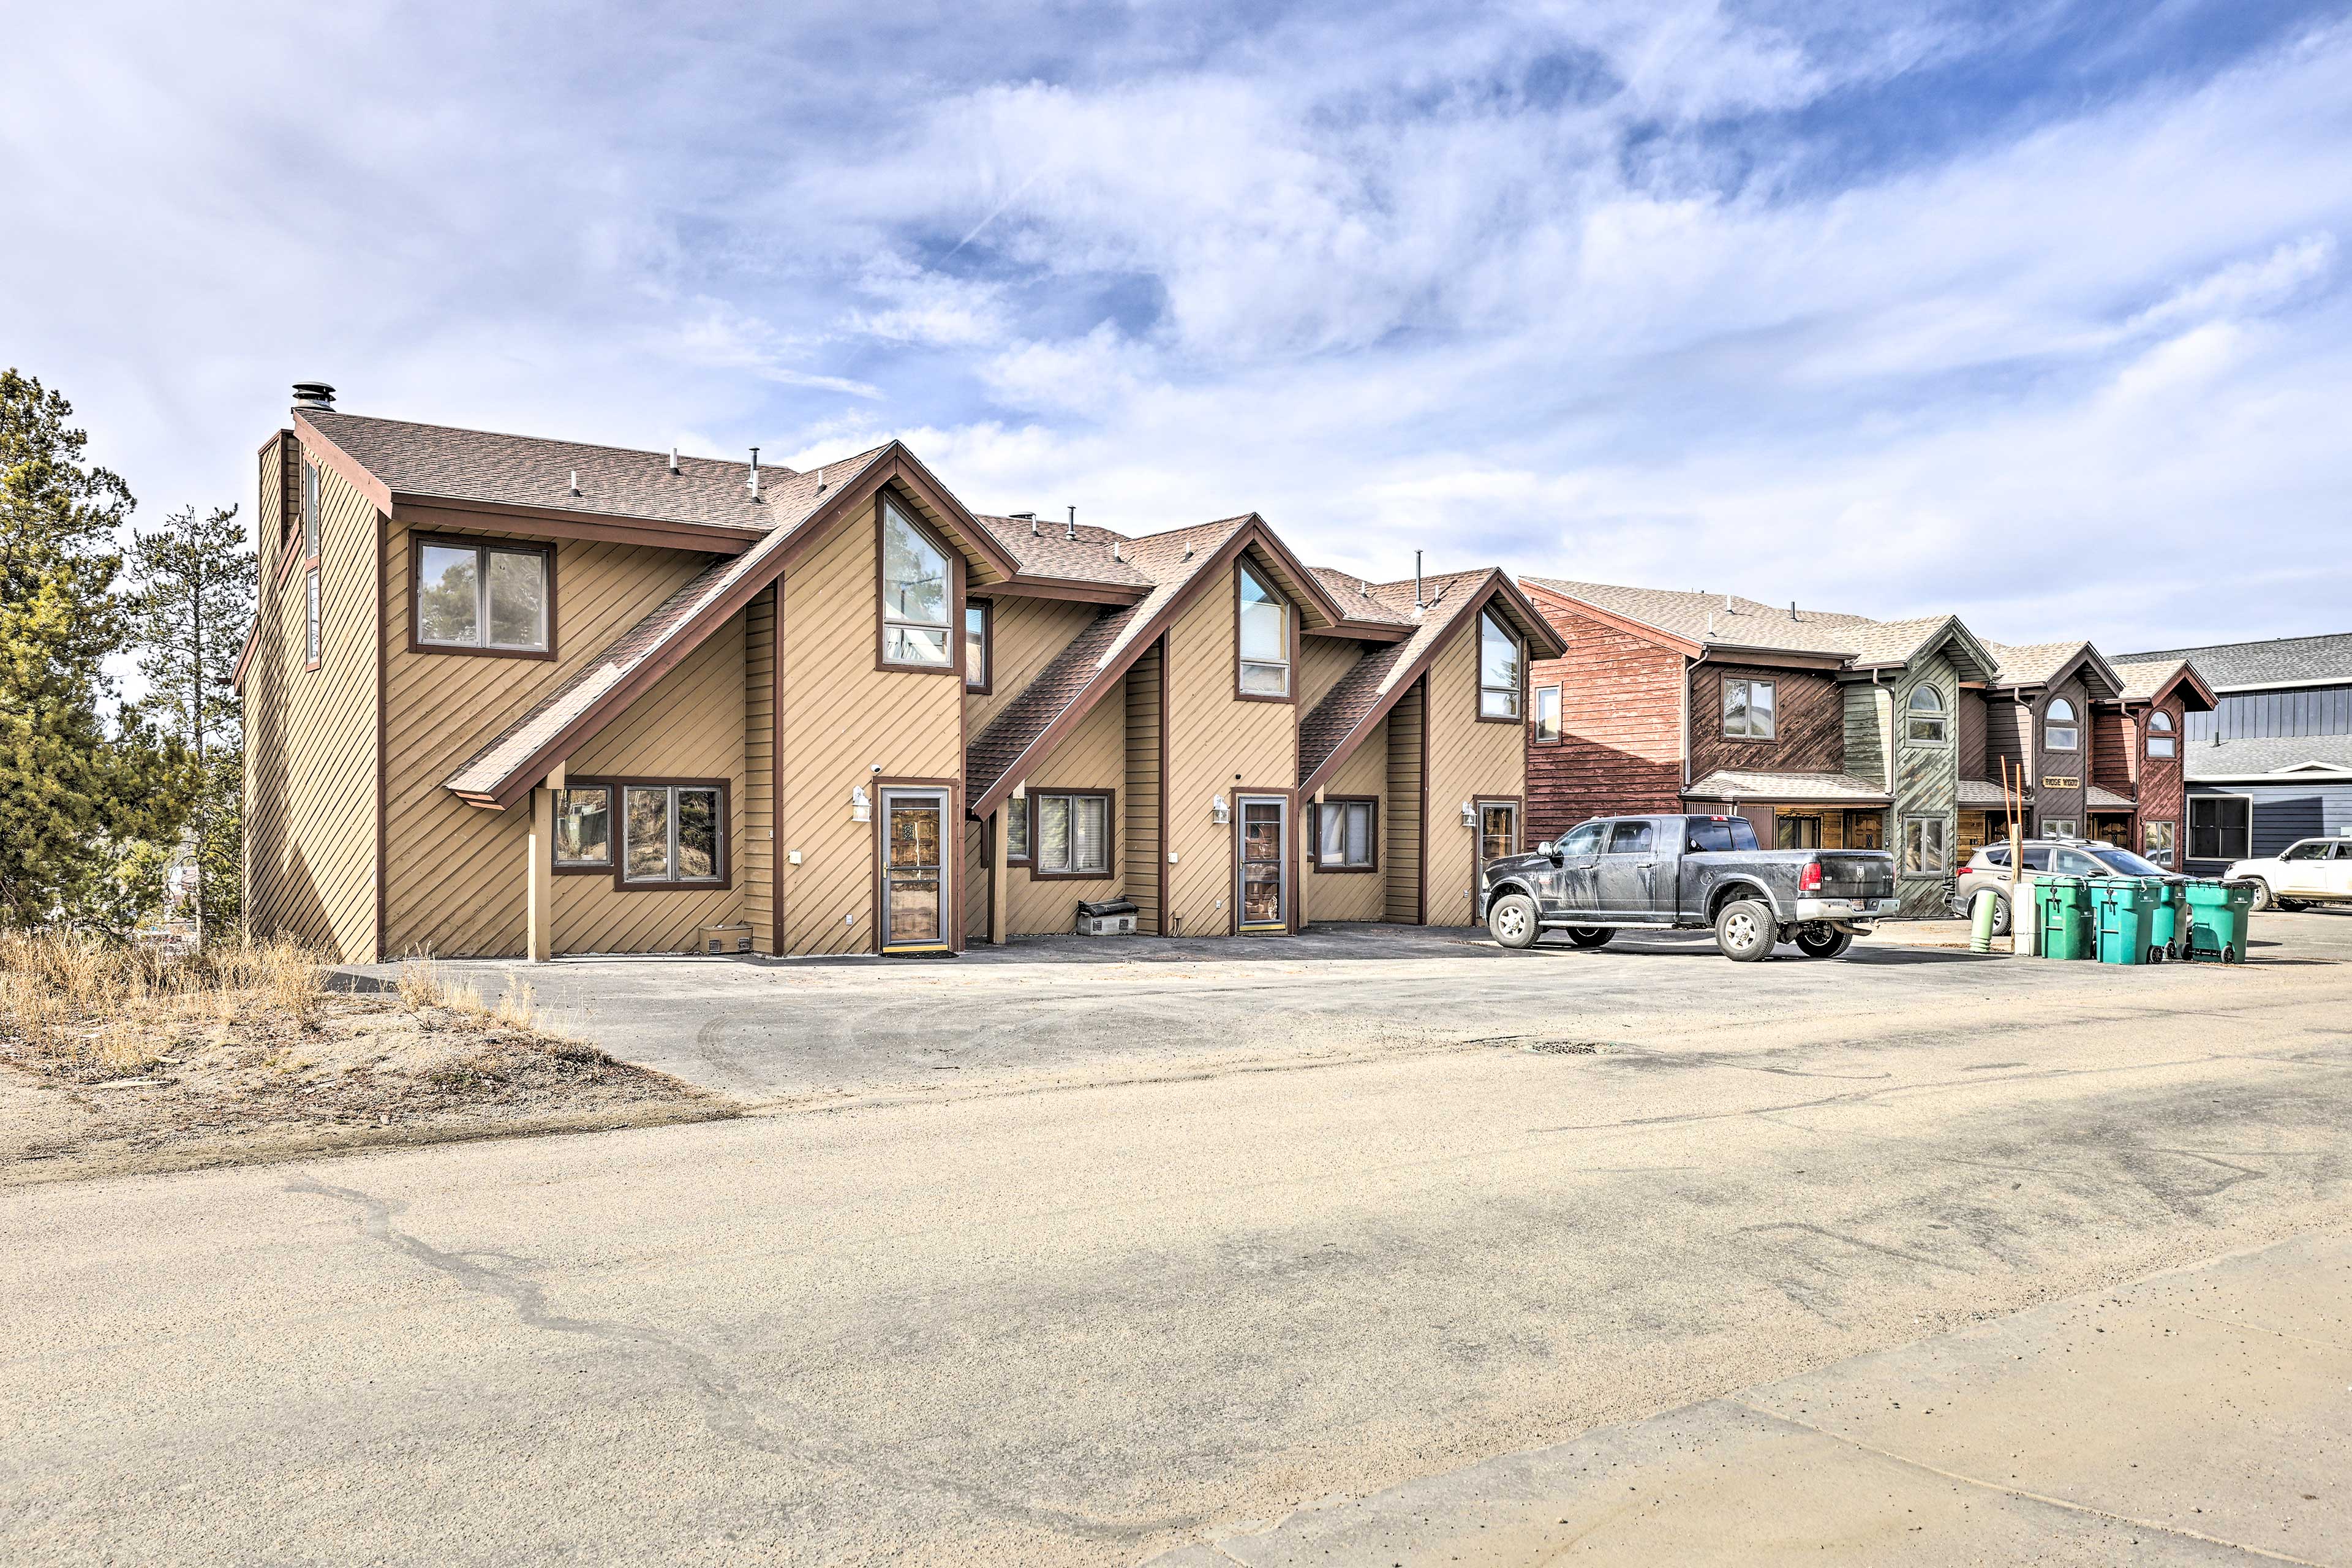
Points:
(1725, 619)
(1049, 552)
(2036, 664)
(443, 462)
(496, 765)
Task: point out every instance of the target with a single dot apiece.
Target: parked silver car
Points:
(1989, 868)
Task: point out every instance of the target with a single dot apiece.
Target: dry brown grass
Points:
(81, 1008)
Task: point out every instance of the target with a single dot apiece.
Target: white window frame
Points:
(314, 616)
(1244, 574)
(2052, 725)
(1500, 701)
(2162, 732)
(1943, 845)
(2170, 855)
(1770, 728)
(1941, 716)
(1546, 728)
(2061, 828)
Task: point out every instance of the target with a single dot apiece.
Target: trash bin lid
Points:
(1107, 906)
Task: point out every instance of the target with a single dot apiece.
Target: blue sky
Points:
(2036, 313)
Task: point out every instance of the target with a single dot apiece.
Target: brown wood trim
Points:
(1293, 616)
(446, 512)
(613, 816)
(314, 578)
(382, 735)
(1313, 813)
(954, 558)
(1420, 850)
(1284, 562)
(354, 473)
(1110, 830)
(1479, 803)
(1068, 588)
(1416, 672)
(1110, 674)
(417, 543)
(776, 839)
(618, 783)
(1160, 849)
(1478, 616)
(950, 877)
(290, 510)
(922, 483)
(1359, 631)
(1289, 798)
(986, 685)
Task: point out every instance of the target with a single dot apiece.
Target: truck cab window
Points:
(1631, 838)
(1585, 840)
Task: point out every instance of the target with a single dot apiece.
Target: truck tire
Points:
(1512, 921)
(1823, 943)
(1745, 932)
(1590, 936)
(2262, 899)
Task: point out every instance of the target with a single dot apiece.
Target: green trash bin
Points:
(2124, 911)
(2217, 919)
(2168, 928)
(2062, 908)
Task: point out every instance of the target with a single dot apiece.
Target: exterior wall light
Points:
(1219, 812)
(1469, 815)
(861, 809)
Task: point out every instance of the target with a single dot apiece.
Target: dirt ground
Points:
(362, 1070)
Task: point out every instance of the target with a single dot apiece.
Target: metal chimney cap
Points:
(313, 395)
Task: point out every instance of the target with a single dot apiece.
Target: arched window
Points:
(1929, 724)
(2161, 742)
(2058, 729)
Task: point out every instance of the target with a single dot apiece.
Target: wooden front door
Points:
(1262, 877)
(914, 871)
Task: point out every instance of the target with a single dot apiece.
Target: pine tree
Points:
(72, 794)
(191, 602)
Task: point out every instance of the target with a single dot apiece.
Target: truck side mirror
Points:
(1549, 851)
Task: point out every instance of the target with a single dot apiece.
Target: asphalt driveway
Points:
(1065, 1009)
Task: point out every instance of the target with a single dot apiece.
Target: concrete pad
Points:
(2157, 1421)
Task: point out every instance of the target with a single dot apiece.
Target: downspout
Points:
(2025, 742)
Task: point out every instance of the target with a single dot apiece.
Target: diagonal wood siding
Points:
(1214, 739)
(689, 724)
(312, 736)
(1140, 824)
(1091, 756)
(1028, 633)
(1926, 784)
(841, 717)
(1354, 894)
(1400, 863)
(756, 863)
(1865, 758)
(1466, 759)
(1322, 662)
(458, 876)
(1809, 714)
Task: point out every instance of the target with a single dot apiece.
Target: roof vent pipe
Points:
(1726, 604)
(673, 460)
(1115, 555)
(1073, 534)
(1793, 611)
(753, 484)
(313, 395)
(1417, 602)
(575, 481)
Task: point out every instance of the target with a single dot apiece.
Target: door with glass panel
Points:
(1262, 898)
(1498, 837)
(914, 871)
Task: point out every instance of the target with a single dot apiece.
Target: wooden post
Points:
(2016, 809)
(1000, 844)
(542, 874)
(1306, 828)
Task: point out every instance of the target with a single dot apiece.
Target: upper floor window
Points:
(1747, 710)
(314, 592)
(2161, 741)
(1928, 723)
(1547, 721)
(491, 598)
(1264, 639)
(1499, 668)
(2059, 732)
(313, 617)
(309, 511)
(977, 624)
(916, 595)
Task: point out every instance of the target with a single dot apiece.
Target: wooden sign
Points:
(2055, 780)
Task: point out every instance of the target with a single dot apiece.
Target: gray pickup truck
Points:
(1686, 873)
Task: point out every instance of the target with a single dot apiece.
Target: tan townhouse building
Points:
(511, 695)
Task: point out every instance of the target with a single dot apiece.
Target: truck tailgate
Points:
(1859, 874)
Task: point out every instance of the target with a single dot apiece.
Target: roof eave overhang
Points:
(1789, 658)
(1398, 684)
(422, 510)
(354, 472)
(1658, 636)
(1076, 589)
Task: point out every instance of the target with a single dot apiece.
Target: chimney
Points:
(1073, 534)
(673, 460)
(753, 482)
(1417, 602)
(313, 395)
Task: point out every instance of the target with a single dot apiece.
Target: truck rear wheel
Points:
(1821, 942)
(1511, 920)
(1745, 932)
(1590, 936)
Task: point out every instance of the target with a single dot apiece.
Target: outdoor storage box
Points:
(726, 938)
(1106, 917)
